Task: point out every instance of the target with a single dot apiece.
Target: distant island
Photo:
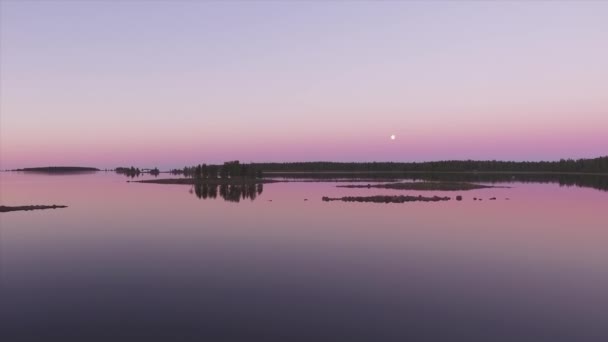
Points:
(59, 169)
(5, 209)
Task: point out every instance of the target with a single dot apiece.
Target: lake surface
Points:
(150, 262)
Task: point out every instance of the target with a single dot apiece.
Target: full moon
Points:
(393, 137)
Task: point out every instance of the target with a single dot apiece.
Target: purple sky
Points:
(166, 84)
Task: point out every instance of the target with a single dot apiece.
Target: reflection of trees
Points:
(229, 192)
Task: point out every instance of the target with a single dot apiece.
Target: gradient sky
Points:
(104, 83)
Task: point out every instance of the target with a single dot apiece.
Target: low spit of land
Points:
(218, 181)
(58, 169)
(5, 209)
(386, 199)
(396, 199)
(438, 186)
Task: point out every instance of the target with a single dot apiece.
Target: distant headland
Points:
(6, 209)
(592, 165)
(59, 169)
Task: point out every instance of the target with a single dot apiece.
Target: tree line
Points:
(135, 172)
(235, 169)
(230, 169)
(595, 165)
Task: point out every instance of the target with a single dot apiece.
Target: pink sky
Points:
(170, 84)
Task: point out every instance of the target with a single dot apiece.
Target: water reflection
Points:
(155, 264)
(228, 192)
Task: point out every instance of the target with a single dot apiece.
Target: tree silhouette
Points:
(599, 165)
(205, 171)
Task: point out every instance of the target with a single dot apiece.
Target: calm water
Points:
(147, 262)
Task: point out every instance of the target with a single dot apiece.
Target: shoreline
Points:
(422, 186)
(338, 172)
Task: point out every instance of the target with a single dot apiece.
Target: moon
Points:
(393, 137)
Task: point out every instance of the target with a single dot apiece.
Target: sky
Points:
(174, 83)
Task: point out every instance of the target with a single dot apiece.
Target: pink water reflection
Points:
(539, 256)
